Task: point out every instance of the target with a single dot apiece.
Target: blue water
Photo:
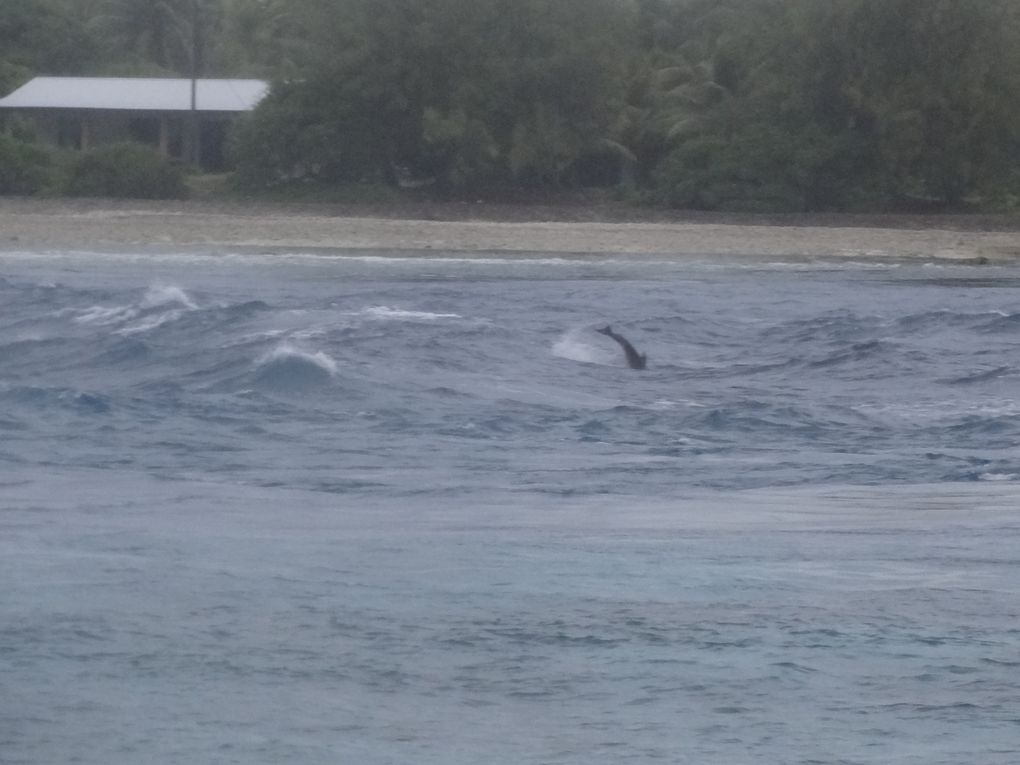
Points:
(265, 508)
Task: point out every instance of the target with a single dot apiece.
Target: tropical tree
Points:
(489, 91)
(857, 103)
(259, 38)
(155, 34)
(936, 87)
(735, 104)
(42, 36)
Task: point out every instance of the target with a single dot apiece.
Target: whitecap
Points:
(999, 476)
(289, 352)
(155, 297)
(289, 368)
(164, 294)
(102, 315)
(399, 314)
(151, 322)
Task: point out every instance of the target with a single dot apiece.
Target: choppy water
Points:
(364, 509)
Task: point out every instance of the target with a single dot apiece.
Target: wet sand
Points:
(97, 225)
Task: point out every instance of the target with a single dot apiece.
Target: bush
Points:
(763, 167)
(24, 167)
(303, 132)
(125, 170)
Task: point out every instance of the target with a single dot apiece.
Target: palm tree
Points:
(157, 32)
(260, 37)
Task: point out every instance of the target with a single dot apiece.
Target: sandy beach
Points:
(105, 225)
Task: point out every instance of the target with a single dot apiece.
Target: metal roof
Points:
(136, 94)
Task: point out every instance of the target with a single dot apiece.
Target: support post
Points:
(84, 137)
(194, 152)
(164, 136)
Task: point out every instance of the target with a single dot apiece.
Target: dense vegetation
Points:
(712, 104)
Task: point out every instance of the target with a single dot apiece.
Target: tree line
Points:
(778, 105)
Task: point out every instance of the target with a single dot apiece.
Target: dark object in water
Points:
(635, 360)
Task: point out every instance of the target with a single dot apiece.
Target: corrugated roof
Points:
(136, 93)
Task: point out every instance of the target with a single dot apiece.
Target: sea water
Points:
(376, 508)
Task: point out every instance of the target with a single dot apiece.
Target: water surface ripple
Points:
(384, 509)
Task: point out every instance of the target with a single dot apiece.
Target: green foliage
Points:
(935, 86)
(12, 76)
(461, 93)
(152, 34)
(718, 104)
(25, 168)
(258, 38)
(460, 146)
(302, 132)
(125, 170)
(853, 103)
(41, 36)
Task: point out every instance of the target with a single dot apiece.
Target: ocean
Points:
(379, 508)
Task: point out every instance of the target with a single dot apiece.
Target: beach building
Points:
(81, 112)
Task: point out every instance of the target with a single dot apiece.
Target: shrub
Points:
(125, 170)
(24, 167)
(303, 132)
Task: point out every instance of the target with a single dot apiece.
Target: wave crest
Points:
(384, 312)
(166, 294)
(288, 367)
(160, 303)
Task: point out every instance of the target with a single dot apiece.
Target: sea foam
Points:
(288, 367)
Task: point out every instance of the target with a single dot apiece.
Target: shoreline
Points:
(99, 225)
